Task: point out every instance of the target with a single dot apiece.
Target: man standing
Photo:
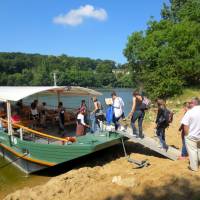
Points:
(118, 105)
(191, 122)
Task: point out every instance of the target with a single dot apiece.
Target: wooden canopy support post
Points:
(89, 104)
(9, 118)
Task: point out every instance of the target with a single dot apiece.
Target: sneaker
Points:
(163, 148)
(166, 148)
(192, 169)
(134, 135)
(182, 158)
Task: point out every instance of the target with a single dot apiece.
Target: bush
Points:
(162, 83)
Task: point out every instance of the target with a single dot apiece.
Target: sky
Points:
(97, 29)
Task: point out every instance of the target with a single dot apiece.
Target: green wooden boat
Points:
(31, 150)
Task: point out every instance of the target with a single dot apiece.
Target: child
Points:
(161, 123)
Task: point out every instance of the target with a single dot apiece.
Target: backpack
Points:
(109, 115)
(168, 117)
(145, 105)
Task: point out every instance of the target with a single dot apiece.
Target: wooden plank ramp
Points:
(171, 153)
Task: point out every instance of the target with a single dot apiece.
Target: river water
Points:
(12, 179)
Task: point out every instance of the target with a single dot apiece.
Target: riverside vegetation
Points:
(163, 59)
(36, 69)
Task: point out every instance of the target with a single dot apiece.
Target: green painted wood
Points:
(58, 153)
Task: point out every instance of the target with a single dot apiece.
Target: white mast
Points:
(55, 84)
(54, 79)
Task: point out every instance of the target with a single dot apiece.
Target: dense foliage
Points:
(35, 69)
(166, 56)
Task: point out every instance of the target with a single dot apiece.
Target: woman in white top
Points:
(81, 125)
(118, 105)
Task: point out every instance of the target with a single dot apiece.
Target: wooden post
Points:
(9, 118)
(89, 105)
(21, 133)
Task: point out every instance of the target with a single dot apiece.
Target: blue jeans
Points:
(160, 132)
(137, 115)
(184, 150)
(115, 121)
(61, 124)
(94, 124)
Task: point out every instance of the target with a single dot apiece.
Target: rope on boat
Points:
(9, 163)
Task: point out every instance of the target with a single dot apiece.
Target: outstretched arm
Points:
(133, 107)
(95, 107)
(186, 129)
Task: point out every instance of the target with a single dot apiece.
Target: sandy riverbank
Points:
(112, 177)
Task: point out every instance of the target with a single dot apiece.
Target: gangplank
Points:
(148, 142)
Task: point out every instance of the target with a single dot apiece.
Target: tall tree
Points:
(166, 56)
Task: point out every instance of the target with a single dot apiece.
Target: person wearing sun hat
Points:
(80, 124)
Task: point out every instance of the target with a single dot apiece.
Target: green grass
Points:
(175, 103)
(187, 95)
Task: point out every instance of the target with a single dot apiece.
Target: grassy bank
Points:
(175, 103)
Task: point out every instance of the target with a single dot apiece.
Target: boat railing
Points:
(23, 130)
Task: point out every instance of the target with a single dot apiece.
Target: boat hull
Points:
(24, 165)
(32, 156)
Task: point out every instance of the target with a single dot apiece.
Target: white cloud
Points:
(77, 16)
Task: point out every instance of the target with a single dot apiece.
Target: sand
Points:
(111, 177)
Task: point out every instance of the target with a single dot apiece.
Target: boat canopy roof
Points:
(15, 93)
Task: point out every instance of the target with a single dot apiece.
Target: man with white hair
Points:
(191, 122)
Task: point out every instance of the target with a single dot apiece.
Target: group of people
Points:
(116, 111)
(39, 113)
(189, 128)
(84, 116)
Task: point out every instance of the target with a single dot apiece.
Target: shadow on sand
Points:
(175, 189)
(98, 159)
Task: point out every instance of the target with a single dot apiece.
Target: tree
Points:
(166, 56)
(36, 69)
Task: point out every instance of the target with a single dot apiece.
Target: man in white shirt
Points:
(118, 105)
(191, 122)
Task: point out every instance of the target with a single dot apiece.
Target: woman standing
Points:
(96, 115)
(137, 113)
(61, 117)
(161, 124)
(81, 125)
